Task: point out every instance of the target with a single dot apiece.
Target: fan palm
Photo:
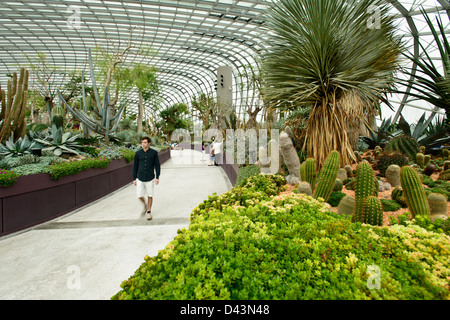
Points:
(325, 54)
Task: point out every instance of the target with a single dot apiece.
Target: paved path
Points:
(86, 254)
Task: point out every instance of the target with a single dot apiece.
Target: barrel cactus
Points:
(327, 176)
(404, 144)
(338, 185)
(393, 175)
(372, 211)
(420, 159)
(415, 196)
(346, 205)
(397, 195)
(438, 204)
(304, 187)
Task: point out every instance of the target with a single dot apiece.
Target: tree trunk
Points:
(140, 112)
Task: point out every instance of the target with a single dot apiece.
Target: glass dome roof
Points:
(191, 39)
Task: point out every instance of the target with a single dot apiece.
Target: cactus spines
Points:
(338, 185)
(290, 156)
(372, 211)
(406, 145)
(445, 153)
(346, 205)
(327, 176)
(308, 171)
(420, 160)
(393, 175)
(13, 111)
(397, 195)
(349, 170)
(304, 187)
(365, 186)
(415, 196)
(58, 116)
(438, 204)
(426, 159)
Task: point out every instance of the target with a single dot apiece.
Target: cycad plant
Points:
(335, 56)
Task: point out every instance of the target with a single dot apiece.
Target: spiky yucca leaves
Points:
(325, 54)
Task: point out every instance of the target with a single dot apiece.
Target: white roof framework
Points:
(191, 38)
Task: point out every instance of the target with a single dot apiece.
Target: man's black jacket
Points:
(146, 163)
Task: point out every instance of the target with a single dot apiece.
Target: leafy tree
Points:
(173, 118)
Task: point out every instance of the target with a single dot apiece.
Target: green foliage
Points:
(390, 205)
(288, 247)
(7, 178)
(413, 191)
(246, 172)
(423, 221)
(128, 155)
(327, 176)
(15, 149)
(173, 118)
(335, 198)
(57, 171)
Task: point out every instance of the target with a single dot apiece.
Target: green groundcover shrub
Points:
(290, 246)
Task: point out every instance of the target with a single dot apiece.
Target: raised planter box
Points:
(35, 199)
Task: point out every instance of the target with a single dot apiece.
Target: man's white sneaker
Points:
(149, 216)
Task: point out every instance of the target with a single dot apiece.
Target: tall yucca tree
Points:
(337, 56)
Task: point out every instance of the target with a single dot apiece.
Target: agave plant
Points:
(59, 143)
(380, 137)
(326, 54)
(14, 149)
(429, 83)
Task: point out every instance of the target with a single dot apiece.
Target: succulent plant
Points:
(404, 144)
(14, 106)
(349, 170)
(59, 143)
(14, 149)
(391, 157)
(346, 205)
(308, 171)
(107, 123)
(58, 116)
(304, 187)
(420, 160)
(430, 169)
(438, 204)
(372, 211)
(338, 185)
(327, 176)
(289, 154)
(365, 186)
(415, 196)
(397, 195)
(393, 175)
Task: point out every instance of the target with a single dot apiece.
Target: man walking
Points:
(146, 170)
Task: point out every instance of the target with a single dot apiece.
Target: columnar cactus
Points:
(397, 195)
(420, 160)
(327, 176)
(415, 196)
(365, 186)
(14, 106)
(349, 170)
(372, 211)
(426, 159)
(58, 116)
(308, 171)
(338, 185)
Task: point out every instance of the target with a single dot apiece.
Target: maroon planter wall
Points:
(35, 199)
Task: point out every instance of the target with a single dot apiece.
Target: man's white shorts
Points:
(145, 189)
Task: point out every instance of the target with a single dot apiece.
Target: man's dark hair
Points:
(146, 138)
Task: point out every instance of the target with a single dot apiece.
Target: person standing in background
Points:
(146, 171)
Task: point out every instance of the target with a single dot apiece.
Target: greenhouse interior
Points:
(224, 150)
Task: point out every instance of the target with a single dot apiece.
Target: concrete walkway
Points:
(86, 254)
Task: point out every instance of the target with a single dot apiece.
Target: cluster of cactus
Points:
(391, 157)
(404, 144)
(414, 192)
(13, 111)
(327, 177)
(422, 159)
(445, 153)
(397, 195)
(366, 188)
(58, 114)
(308, 171)
(107, 123)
